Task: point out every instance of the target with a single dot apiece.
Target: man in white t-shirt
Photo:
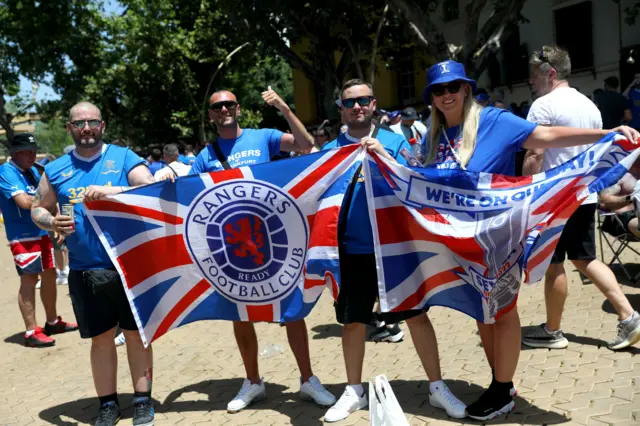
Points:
(560, 105)
(174, 167)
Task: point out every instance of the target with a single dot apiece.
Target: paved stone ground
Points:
(197, 368)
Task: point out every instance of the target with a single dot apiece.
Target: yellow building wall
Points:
(385, 86)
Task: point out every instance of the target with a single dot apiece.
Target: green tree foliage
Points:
(158, 61)
(38, 39)
(52, 137)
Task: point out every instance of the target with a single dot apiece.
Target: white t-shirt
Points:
(417, 130)
(566, 107)
(180, 169)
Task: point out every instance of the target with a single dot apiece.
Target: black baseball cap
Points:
(23, 142)
(409, 114)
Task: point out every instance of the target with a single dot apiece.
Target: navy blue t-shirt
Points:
(358, 238)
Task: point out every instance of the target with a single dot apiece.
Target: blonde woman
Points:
(465, 135)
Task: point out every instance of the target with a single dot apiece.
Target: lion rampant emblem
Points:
(248, 240)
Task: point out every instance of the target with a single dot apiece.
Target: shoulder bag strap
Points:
(220, 155)
(348, 196)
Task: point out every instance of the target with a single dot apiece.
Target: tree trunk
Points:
(478, 43)
(423, 29)
(5, 120)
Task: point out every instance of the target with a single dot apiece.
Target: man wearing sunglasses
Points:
(359, 278)
(237, 147)
(89, 172)
(560, 105)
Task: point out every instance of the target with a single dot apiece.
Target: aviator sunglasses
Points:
(453, 88)
(79, 124)
(361, 100)
(217, 107)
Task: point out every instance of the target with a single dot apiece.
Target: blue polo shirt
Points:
(15, 181)
(253, 146)
(358, 238)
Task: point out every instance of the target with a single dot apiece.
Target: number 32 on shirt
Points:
(79, 191)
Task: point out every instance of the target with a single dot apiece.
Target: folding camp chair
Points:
(618, 244)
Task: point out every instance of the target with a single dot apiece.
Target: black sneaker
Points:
(492, 403)
(143, 412)
(386, 334)
(109, 414)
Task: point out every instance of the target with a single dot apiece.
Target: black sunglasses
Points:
(217, 107)
(79, 124)
(361, 100)
(453, 88)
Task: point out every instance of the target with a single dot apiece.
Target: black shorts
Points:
(359, 292)
(98, 313)
(618, 225)
(578, 239)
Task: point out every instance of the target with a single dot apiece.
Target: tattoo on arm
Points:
(44, 204)
(42, 217)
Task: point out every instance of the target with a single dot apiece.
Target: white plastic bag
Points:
(384, 409)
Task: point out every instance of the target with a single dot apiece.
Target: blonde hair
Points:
(470, 121)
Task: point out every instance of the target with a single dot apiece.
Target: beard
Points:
(88, 141)
(363, 123)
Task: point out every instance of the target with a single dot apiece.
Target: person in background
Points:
(482, 97)
(412, 130)
(560, 105)
(612, 105)
(633, 94)
(499, 104)
(174, 167)
(156, 162)
(31, 246)
(188, 158)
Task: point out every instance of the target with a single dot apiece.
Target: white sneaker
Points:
(61, 278)
(314, 391)
(443, 398)
(119, 339)
(348, 403)
(249, 393)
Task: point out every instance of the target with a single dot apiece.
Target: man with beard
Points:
(89, 172)
(359, 278)
(237, 147)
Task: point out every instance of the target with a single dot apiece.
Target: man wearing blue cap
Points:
(482, 98)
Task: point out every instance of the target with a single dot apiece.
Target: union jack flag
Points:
(463, 240)
(251, 244)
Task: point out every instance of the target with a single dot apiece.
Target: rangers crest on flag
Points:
(249, 239)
